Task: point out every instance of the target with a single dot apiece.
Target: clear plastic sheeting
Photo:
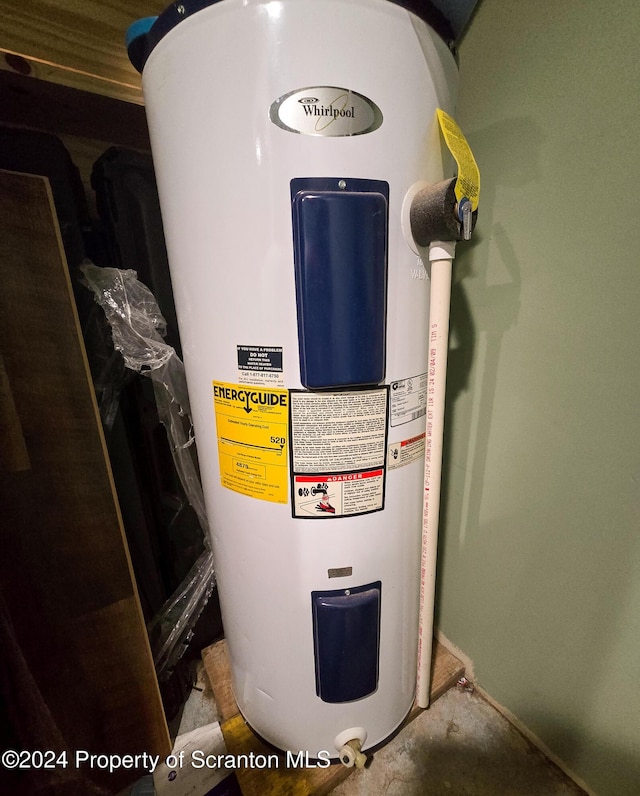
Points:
(137, 328)
(171, 630)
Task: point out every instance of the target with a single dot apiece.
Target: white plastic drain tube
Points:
(441, 256)
(438, 216)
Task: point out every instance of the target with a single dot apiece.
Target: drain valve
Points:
(349, 744)
(351, 754)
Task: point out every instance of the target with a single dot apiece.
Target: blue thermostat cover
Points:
(340, 232)
(137, 41)
(139, 28)
(346, 640)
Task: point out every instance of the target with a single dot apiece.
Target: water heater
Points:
(287, 136)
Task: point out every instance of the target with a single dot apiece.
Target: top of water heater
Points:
(144, 34)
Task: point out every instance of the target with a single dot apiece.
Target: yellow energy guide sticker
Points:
(468, 182)
(253, 425)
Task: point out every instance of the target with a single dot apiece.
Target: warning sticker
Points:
(252, 428)
(408, 399)
(338, 452)
(405, 452)
(468, 182)
(260, 364)
(338, 495)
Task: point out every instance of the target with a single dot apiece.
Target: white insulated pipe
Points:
(441, 256)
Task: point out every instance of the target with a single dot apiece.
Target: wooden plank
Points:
(77, 44)
(33, 68)
(218, 667)
(27, 102)
(239, 738)
(70, 609)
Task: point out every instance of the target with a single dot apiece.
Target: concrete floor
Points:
(461, 746)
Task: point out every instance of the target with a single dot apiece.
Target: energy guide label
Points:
(408, 399)
(252, 426)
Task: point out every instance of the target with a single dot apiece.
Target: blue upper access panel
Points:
(340, 255)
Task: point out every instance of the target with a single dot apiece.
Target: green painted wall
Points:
(539, 578)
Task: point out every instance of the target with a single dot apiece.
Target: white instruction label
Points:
(338, 431)
(338, 452)
(408, 399)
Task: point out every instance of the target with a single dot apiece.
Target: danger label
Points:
(252, 429)
(406, 451)
(331, 495)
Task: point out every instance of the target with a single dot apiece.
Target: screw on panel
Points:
(181, 9)
(342, 184)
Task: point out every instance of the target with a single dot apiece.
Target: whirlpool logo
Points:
(326, 111)
(331, 112)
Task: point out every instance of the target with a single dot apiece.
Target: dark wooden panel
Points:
(70, 603)
(61, 110)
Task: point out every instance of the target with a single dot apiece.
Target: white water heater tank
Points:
(286, 136)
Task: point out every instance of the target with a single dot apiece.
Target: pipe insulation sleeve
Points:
(433, 214)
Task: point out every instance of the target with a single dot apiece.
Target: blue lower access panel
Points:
(346, 637)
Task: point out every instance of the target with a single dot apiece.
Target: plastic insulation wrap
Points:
(137, 327)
